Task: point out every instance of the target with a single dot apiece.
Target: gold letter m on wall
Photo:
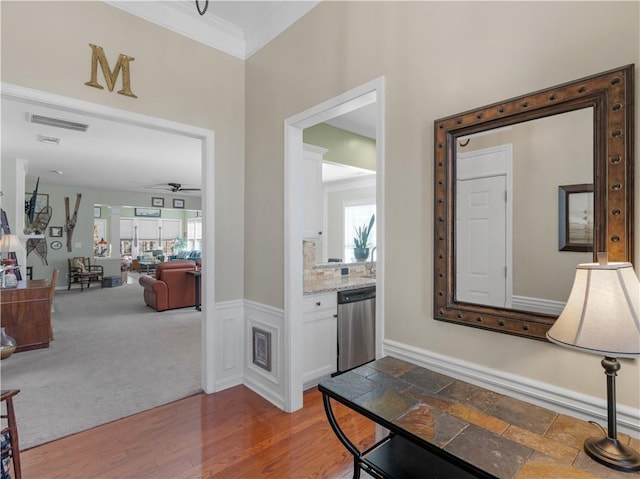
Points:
(98, 56)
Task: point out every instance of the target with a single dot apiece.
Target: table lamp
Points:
(602, 316)
(103, 247)
(9, 244)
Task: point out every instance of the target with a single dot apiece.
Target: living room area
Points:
(109, 354)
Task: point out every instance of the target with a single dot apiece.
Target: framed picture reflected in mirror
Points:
(575, 217)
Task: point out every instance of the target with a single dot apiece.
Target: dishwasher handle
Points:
(354, 295)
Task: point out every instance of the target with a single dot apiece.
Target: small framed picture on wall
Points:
(262, 348)
(55, 231)
(178, 203)
(157, 202)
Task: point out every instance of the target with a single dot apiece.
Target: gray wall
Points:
(438, 59)
(174, 77)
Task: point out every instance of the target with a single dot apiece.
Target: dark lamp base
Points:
(612, 453)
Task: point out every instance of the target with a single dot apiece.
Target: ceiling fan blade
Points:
(190, 189)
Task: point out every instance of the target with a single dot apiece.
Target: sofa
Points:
(171, 287)
(193, 255)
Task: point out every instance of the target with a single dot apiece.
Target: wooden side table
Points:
(196, 276)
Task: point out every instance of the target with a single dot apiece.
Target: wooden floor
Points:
(231, 434)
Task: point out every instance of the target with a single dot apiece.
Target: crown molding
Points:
(179, 18)
(183, 19)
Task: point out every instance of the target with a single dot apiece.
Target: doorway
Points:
(370, 92)
(206, 137)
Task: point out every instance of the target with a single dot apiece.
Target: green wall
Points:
(344, 147)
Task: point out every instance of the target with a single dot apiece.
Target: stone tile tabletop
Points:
(506, 437)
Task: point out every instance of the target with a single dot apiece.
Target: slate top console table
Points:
(441, 427)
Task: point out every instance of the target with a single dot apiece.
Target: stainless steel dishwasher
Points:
(356, 327)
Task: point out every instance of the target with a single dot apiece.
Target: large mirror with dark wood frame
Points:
(526, 189)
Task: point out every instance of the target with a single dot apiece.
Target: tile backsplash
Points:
(312, 271)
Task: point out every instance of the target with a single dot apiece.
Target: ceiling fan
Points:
(173, 187)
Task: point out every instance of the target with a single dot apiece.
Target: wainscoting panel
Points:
(229, 343)
(268, 384)
(552, 397)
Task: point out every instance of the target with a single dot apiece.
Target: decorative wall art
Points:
(122, 65)
(157, 202)
(56, 245)
(178, 203)
(41, 201)
(40, 221)
(71, 220)
(39, 245)
(148, 212)
(55, 231)
(262, 348)
(37, 211)
(575, 217)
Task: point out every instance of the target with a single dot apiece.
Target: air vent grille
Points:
(49, 139)
(57, 122)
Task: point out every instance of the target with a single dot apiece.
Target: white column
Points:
(17, 227)
(114, 232)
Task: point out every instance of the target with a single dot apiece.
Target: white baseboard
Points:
(538, 305)
(552, 397)
(268, 393)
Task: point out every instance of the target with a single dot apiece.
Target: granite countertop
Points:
(507, 437)
(336, 284)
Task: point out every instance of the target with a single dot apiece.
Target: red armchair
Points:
(172, 287)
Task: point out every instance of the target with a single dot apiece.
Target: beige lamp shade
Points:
(10, 244)
(602, 314)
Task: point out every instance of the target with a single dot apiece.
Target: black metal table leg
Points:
(341, 436)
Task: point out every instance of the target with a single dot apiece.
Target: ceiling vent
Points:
(51, 140)
(57, 122)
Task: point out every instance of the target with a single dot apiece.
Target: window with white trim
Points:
(194, 234)
(357, 214)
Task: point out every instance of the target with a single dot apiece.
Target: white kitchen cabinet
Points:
(320, 333)
(312, 167)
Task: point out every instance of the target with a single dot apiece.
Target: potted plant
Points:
(361, 239)
(179, 244)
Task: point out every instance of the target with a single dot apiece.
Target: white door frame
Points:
(207, 138)
(293, 351)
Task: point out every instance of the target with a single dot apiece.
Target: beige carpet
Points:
(112, 356)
